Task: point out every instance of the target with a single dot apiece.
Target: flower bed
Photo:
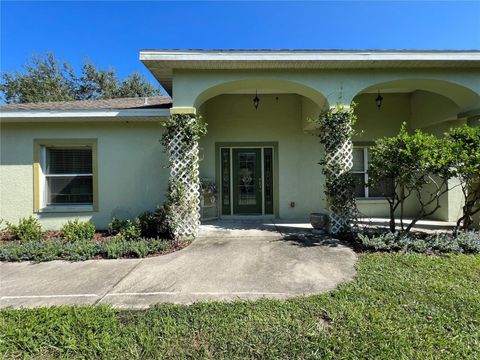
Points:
(144, 236)
(467, 242)
(107, 248)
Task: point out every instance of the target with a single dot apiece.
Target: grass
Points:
(399, 306)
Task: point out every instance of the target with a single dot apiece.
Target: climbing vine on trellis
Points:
(182, 206)
(336, 130)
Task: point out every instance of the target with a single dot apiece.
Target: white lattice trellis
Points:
(338, 163)
(335, 134)
(185, 212)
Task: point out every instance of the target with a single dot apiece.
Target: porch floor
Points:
(248, 227)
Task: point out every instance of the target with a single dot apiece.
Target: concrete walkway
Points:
(229, 260)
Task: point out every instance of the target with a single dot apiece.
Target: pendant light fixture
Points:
(379, 100)
(256, 100)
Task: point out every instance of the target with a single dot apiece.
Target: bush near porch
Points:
(408, 306)
(78, 241)
(467, 242)
(420, 165)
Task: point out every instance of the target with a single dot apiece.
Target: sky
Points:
(111, 33)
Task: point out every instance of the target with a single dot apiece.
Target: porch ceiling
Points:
(161, 63)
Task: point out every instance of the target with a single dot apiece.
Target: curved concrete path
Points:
(226, 262)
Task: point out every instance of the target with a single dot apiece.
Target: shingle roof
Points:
(152, 102)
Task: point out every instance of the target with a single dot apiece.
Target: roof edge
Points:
(298, 55)
(83, 113)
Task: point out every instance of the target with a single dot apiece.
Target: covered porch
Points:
(262, 154)
(260, 151)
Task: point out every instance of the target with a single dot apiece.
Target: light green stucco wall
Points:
(131, 177)
(429, 109)
(373, 123)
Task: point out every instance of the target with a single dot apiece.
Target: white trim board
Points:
(21, 115)
(301, 55)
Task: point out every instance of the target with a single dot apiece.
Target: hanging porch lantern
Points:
(379, 100)
(256, 100)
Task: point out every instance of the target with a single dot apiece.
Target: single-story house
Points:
(102, 159)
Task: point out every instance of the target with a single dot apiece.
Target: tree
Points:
(419, 164)
(464, 143)
(44, 78)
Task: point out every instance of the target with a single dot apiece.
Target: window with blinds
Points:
(361, 158)
(69, 175)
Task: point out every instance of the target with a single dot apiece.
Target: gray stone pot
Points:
(320, 222)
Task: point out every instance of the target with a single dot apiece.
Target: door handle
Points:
(259, 183)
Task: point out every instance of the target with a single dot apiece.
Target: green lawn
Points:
(399, 306)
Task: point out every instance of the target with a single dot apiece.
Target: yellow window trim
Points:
(37, 145)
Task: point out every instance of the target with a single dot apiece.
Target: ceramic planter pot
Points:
(320, 221)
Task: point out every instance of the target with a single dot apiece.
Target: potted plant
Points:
(208, 193)
(320, 222)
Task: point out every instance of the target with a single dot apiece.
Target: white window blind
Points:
(69, 176)
(361, 158)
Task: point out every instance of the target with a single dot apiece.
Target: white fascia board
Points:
(84, 113)
(307, 56)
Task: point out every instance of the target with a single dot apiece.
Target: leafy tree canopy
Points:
(44, 78)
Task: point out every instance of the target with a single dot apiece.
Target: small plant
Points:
(80, 250)
(208, 186)
(154, 224)
(132, 231)
(128, 229)
(28, 229)
(117, 225)
(75, 230)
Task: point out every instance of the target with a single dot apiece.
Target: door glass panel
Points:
(247, 179)
(268, 176)
(226, 181)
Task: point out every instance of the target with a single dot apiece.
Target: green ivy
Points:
(335, 128)
(192, 129)
(189, 125)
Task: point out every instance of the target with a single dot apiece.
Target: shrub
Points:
(465, 149)
(80, 250)
(31, 251)
(128, 229)
(131, 231)
(121, 247)
(28, 229)
(117, 225)
(55, 249)
(154, 224)
(115, 248)
(461, 242)
(75, 230)
(420, 164)
(469, 241)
